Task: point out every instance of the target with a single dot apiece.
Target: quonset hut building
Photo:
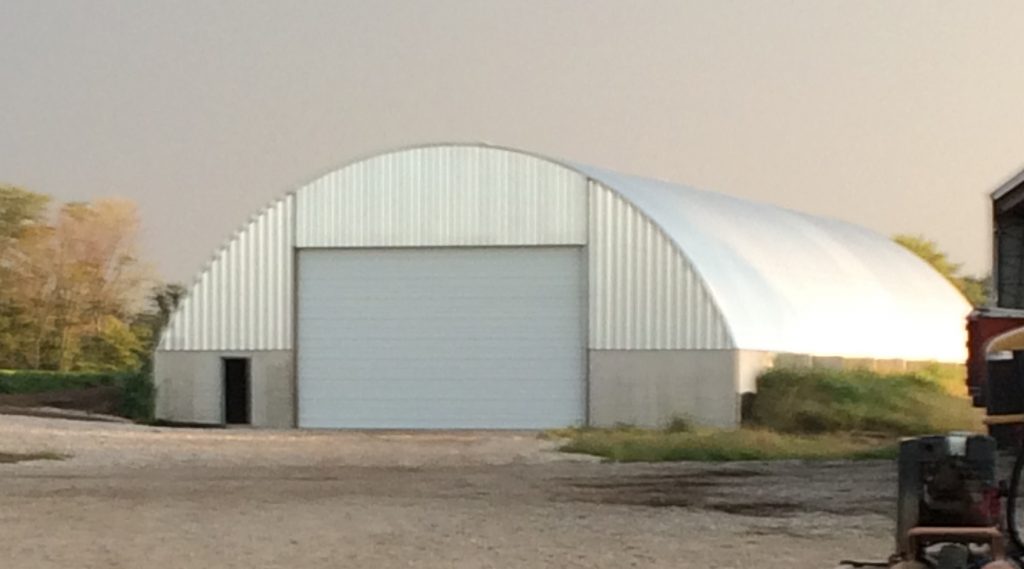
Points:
(470, 286)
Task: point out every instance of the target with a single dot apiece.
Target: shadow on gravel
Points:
(760, 509)
(739, 492)
(11, 458)
(692, 489)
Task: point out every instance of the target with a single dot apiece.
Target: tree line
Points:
(75, 294)
(976, 290)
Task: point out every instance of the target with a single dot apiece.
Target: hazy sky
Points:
(901, 116)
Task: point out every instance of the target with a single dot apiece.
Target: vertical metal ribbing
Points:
(444, 196)
(645, 295)
(288, 264)
(242, 300)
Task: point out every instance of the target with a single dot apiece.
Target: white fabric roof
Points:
(791, 282)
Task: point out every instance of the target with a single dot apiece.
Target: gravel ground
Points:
(131, 496)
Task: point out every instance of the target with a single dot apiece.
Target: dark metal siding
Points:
(1009, 269)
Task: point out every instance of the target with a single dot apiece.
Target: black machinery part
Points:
(1011, 503)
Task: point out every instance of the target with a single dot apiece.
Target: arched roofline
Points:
(587, 175)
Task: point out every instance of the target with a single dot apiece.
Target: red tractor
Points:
(995, 370)
(954, 509)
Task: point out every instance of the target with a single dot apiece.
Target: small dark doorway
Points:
(236, 391)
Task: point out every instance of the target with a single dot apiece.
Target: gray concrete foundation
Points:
(650, 388)
(189, 386)
(645, 388)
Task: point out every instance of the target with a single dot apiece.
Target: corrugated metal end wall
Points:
(243, 300)
(444, 196)
(644, 294)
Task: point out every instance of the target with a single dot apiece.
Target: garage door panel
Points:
(418, 347)
(441, 338)
(419, 351)
(436, 387)
(471, 415)
(460, 374)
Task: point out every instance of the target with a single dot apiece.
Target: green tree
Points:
(113, 347)
(98, 273)
(71, 284)
(163, 300)
(19, 209)
(974, 289)
(166, 298)
(22, 214)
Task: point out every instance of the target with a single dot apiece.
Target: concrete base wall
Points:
(650, 388)
(189, 387)
(646, 388)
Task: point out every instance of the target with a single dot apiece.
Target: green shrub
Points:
(951, 377)
(135, 388)
(809, 414)
(30, 381)
(831, 401)
(138, 395)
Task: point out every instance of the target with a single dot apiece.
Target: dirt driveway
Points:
(131, 497)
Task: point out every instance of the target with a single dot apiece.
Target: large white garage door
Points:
(441, 338)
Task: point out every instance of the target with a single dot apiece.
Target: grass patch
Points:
(15, 457)
(952, 378)
(826, 401)
(809, 414)
(711, 445)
